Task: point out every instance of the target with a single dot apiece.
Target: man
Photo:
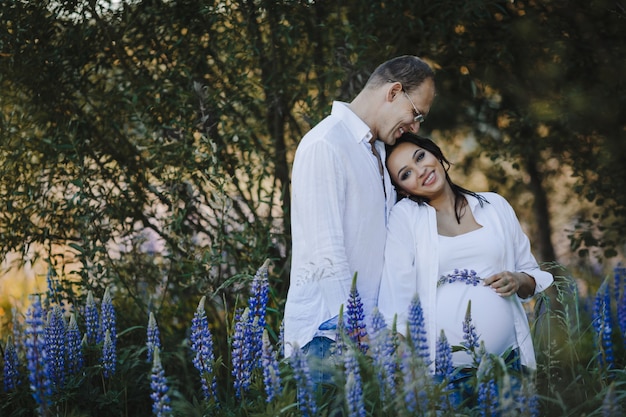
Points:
(342, 195)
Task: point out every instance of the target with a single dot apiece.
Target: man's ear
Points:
(393, 91)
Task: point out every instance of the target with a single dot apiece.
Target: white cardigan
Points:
(411, 264)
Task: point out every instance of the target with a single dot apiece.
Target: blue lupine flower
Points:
(56, 346)
(242, 359)
(470, 338)
(488, 398)
(450, 398)
(108, 319)
(11, 366)
(620, 299)
(340, 334)
(382, 352)
(202, 346)
(354, 386)
(304, 384)
(257, 306)
(153, 336)
(443, 358)
(417, 382)
(355, 323)
(271, 374)
(92, 320)
(109, 355)
(37, 357)
(108, 327)
(75, 357)
(416, 330)
(603, 326)
(527, 400)
(158, 385)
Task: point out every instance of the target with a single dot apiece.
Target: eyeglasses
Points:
(418, 117)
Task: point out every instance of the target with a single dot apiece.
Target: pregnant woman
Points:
(451, 246)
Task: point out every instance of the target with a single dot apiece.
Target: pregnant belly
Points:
(491, 314)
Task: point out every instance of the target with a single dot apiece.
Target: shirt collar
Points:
(360, 130)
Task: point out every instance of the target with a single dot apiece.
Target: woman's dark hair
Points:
(430, 146)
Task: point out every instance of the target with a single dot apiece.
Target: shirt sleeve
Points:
(524, 259)
(319, 188)
(398, 285)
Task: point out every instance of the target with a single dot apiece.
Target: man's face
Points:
(405, 112)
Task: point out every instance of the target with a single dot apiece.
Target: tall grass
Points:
(579, 341)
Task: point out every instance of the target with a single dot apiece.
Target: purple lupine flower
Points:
(158, 385)
(416, 330)
(37, 357)
(603, 326)
(202, 346)
(488, 398)
(470, 338)
(271, 374)
(340, 334)
(92, 320)
(56, 346)
(355, 318)
(153, 336)
(443, 358)
(417, 382)
(109, 355)
(257, 306)
(527, 400)
(11, 366)
(304, 384)
(620, 290)
(354, 385)
(444, 368)
(108, 327)
(108, 320)
(75, 357)
(242, 359)
(382, 352)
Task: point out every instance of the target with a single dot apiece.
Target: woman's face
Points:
(416, 171)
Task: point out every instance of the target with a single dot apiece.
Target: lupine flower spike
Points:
(242, 359)
(153, 336)
(470, 338)
(354, 385)
(37, 357)
(11, 366)
(202, 347)
(443, 371)
(304, 384)
(56, 346)
(257, 305)
(158, 384)
(75, 357)
(271, 374)
(92, 320)
(108, 326)
(109, 356)
(417, 330)
(620, 291)
(355, 325)
(603, 326)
